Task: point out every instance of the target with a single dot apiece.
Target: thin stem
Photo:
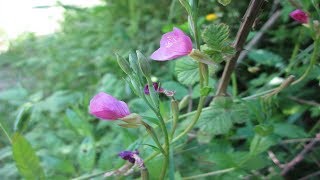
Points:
(89, 176)
(164, 167)
(209, 174)
(194, 120)
(6, 133)
(167, 146)
(234, 84)
(312, 61)
(152, 133)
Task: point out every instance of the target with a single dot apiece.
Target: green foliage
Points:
(223, 114)
(266, 58)
(187, 71)
(217, 43)
(87, 154)
(26, 159)
(260, 144)
(57, 75)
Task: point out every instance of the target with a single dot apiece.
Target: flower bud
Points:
(184, 102)
(124, 64)
(144, 64)
(134, 62)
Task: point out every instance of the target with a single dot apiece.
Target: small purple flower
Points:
(300, 16)
(155, 86)
(173, 44)
(129, 155)
(104, 106)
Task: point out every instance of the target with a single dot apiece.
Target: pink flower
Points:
(173, 44)
(299, 15)
(104, 106)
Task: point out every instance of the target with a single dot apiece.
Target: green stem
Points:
(210, 174)
(234, 84)
(312, 61)
(164, 167)
(152, 133)
(194, 120)
(295, 51)
(167, 146)
(6, 133)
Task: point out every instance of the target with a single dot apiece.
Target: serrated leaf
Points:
(224, 2)
(216, 35)
(187, 71)
(267, 58)
(87, 154)
(220, 118)
(260, 144)
(217, 43)
(26, 159)
(214, 122)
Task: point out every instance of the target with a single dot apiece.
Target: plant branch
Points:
(275, 16)
(300, 156)
(243, 32)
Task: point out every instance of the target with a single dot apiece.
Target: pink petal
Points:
(173, 44)
(105, 106)
(299, 15)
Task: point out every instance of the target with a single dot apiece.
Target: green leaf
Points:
(267, 58)
(87, 154)
(217, 43)
(26, 159)
(263, 130)
(79, 124)
(216, 35)
(289, 130)
(59, 165)
(224, 2)
(23, 118)
(187, 71)
(220, 118)
(260, 144)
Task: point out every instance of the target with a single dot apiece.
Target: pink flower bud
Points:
(173, 44)
(104, 106)
(300, 16)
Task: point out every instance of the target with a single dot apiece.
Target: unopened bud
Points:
(124, 64)
(184, 102)
(144, 64)
(134, 62)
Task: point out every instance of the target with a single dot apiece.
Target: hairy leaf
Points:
(217, 44)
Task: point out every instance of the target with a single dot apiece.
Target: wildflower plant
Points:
(211, 109)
